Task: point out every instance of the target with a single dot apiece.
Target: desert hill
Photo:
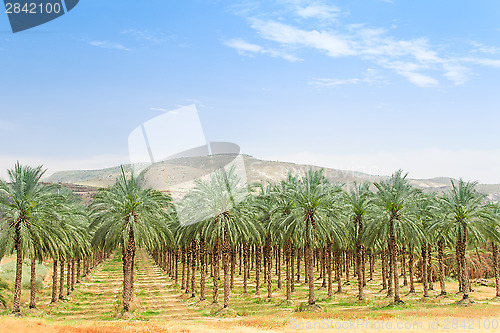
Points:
(180, 170)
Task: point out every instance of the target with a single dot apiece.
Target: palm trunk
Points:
(494, 251)
(183, 259)
(202, 269)
(54, 282)
(128, 269)
(338, 271)
(61, 281)
(441, 267)
(424, 270)
(323, 267)
(278, 265)
(233, 266)
(459, 265)
(245, 253)
(292, 267)
(384, 269)
(78, 270)
(372, 263)
(359, 248)
(390, 291)
(176, 266)
(347, 267)
(258, 259)
(403, 266)
(19, 271)
(225, 263)
(410, 272)
(215, 267)
(33, 284)
(430, 270)
(193, 268)
(189, 258)
(465, 276)
(329, 267)
(289, 276)
(240, 254)
(132, 272)
(395, 275)
(299, 254)
(269, 266)
(68, 279)
(363, 268)
(310, 267)
(73, 263)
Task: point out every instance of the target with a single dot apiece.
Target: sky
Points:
(372, 85)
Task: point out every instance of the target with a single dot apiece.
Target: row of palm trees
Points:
(306, 215)
(40, 221)
(301, 219)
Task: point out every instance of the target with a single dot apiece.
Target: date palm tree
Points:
(467, 217)
(359, 203)
(313, 218)
(396, 200)
(127, 216)
(215, 206)
(28, 207)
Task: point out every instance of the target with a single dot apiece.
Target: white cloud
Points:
(318, 10)
(456, 73)
(159, 109)
(334, 45)
(333, 82)
(410, 71)
(245, 48)
(336, 40)
(109, 45)
(484, 61)
(481, 48)
(369, 76)
(429, 163)
(419, 79)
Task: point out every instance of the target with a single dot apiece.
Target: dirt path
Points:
(99, 296)
(156, 296)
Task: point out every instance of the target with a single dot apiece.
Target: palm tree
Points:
(359, 202)
(465, 215)
(29, 207)
(443, 239)
(494, 238)
(313, 218)
(426, 215)
(395, 198)
(283, 204)
(126, 215)
(215, 205)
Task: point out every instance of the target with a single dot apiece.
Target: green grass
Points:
(8, 273)
(259, 309)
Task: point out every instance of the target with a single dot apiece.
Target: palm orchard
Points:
(270, 238)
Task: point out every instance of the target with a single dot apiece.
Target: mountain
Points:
(176, 172)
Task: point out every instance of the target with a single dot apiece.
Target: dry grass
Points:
(84, 311)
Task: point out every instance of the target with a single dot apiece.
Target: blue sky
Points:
(369, 85)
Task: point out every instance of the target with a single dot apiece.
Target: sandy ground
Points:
(7, 260)
(15, 325)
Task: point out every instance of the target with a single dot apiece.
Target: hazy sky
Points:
(370, 85)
